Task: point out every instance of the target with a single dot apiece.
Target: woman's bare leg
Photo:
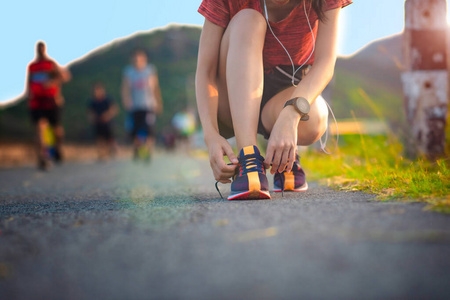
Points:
(240, 75)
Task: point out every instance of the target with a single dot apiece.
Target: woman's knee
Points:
(248, 22)
(309, 132)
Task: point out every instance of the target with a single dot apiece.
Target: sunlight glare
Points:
(342, 32)
(448, 13)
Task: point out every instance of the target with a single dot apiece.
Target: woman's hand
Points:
(219, 147)
(282, 145)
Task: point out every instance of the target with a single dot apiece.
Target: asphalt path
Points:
(122, 230)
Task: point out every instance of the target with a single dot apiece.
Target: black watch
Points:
(301, 105)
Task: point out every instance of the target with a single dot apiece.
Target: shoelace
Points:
(251, 163)
(217, 189)
(282, 184)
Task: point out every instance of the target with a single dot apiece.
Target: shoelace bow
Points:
(248, 163)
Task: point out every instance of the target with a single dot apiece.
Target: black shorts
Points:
(103, 131)
(274, 82)
(53, 116)
(143, 122)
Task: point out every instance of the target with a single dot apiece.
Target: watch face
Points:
(303, 105)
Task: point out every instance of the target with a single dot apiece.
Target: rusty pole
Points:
(425, 79)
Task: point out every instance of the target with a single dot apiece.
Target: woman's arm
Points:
(282, 144)
(312, 85)
(206, 77)
(207, 101)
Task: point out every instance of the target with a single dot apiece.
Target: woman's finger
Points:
(276, 160)
(269, 156)
(227, 174)
(284, 160)
(224, 181)
(230, 154)
(291, 159)
(221, 170)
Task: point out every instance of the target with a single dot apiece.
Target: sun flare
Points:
(448, 14)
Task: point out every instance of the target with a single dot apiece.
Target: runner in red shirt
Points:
(43, 89)
(262, 65)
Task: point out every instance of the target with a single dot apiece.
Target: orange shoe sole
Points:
(250, 195)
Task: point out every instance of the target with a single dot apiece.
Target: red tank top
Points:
(293, 31)
(42, 89)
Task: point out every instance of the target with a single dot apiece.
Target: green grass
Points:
(375, 164)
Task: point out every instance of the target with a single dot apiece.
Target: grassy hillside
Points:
(368, 84)
(349, 95)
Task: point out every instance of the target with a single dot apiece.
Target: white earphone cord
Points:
(322, 143)
(290, 58)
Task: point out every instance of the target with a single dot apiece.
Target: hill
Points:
(173, 49)
(375, 69)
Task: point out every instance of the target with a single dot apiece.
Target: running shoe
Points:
(250, 180)
(294, 181)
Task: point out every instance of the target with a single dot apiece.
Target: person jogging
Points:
(262, 65)
(101, 112)
(45, 100)
(141, 97)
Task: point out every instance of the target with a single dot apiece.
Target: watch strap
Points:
(304, 117)
(289, 102)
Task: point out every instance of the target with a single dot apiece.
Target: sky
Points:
(73, 28)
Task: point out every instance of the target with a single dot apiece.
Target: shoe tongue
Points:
(249, 150)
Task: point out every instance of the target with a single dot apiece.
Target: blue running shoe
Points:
(250, 180)
(293, 181)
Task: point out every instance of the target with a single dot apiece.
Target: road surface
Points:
(121, 230)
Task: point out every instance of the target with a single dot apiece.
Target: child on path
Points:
(101, 111)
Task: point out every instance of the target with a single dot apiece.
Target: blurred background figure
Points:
(101, 112)
(167, 138)
(142, 99)
(45, 100)
(185, 124)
